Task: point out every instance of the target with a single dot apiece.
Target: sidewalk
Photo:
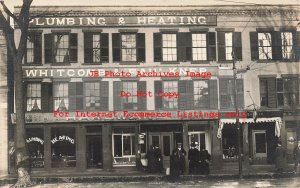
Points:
(124, 175)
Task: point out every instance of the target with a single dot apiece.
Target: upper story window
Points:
(169, 47)
(264, 46)
(184, 46)
(227, 93)
(199, 46)
(95, 47)
(128, 47)
(288, 92)
(169, 86)
(287, 45)
(33, 53)
(92, 96)
(229, 45)
(60, 96)
(61, 48)
(130, 102)
(201, 94)
(275, 45)
(33, 97)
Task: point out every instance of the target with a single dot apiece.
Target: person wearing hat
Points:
(178, 161)
(204, 158)
(297, 156)
(280, 159)
(193, 157)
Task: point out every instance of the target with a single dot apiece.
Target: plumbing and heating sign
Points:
(125, 21)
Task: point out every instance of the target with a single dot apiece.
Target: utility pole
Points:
(237, 124)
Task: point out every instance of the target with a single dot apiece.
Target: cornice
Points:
(234, 10)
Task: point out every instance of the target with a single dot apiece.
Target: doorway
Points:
(259, 144)
(164, 140)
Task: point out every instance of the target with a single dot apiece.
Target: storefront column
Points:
(47, 148)
(136, 145)
(107, 147)
(185, 140)
(80, 153)
(216, 149)
(283, 135)
(245, 146)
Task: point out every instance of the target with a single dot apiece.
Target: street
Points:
(249, 183)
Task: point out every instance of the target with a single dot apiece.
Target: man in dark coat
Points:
(158, 162)
(177, 161)
(297, 157)
(193, 157)
(204, 157)
(151, 159)
(280, 159)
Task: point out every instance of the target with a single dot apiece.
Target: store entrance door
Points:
(259, 144)
(165, 142)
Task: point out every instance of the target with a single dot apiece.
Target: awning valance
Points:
(277, 120)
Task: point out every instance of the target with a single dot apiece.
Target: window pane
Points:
(128, 47)
(287, 45)
(264, 45)
(30, 49)
(92, 96)
(199, 47)
(35, 142)
(61, 50)
(96, 48)
(130, 103)
(60, 95)
(34, 97)
(63, 147)
(201, 96)
(169, 47)
(228, 46)
(170, 86)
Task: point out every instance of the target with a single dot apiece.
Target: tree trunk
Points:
(22, 158)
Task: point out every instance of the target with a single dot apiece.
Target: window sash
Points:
(170, 86)
(96, 48)
(131, 102)
(30, 50)
(92, 96)
(60, 96)
(287, 45)
(228, 46)
(199, 46)
(128, 47)
(264, 46)
(201, 94)
(169, 47)
(61, 48)
(33, 97)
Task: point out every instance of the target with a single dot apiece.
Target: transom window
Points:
(34, 97)
(128, 47)
(131, 102)
(170, 86)
(61, 50)
(169, 47)
(201, 97)
(199, 46)
(287, 45)
(228, 46)
(264, 46)
(96, 48)
(60, 96)
(92, 96)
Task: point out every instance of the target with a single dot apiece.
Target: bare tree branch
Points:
(8, 12)
(24, 13)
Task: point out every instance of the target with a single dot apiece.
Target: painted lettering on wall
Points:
(125, 21)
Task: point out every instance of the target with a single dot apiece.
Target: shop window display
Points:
(35, 142)
(63, 147)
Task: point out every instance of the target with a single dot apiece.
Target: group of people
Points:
(198, 160)
(280, 160)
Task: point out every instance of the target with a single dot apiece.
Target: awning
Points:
(277, 120)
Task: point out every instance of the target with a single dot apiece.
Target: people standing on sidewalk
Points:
(297, 156)
(204, 159)
(193, 157)
(158, 163)
(280, 158)
(177, 161)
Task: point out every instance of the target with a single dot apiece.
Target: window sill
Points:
(129, 63)
(169, 62)
(32, 64)
(201, 62)
(60, 64)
